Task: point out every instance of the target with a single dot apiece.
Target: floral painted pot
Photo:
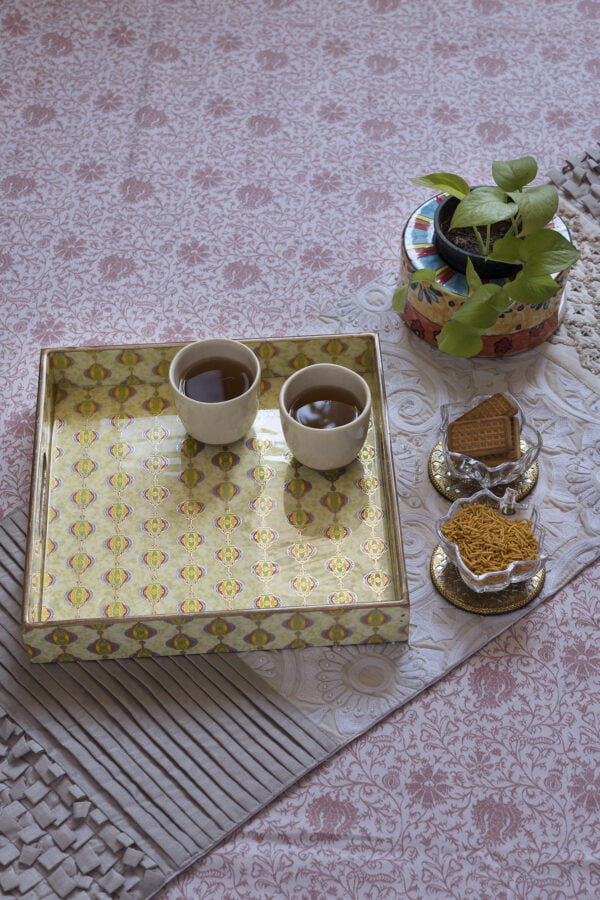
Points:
(430, 306)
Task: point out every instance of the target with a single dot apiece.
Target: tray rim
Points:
(38, 496)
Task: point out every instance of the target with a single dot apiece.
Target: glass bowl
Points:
(465, 468)
(520, 569)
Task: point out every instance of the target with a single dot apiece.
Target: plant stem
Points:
(515, 226)
(479, 240)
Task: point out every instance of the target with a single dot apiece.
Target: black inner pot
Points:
(456, 257)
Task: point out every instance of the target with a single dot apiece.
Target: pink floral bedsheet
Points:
(180, 168)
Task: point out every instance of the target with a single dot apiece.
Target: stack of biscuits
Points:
(489, 432)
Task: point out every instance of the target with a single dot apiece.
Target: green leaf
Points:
(546, 252)
(537, 205)
(483, 206)
(508, 249)
(514, 174)
(479, 309)
(400, 294)
(427, 275)
(446, 182)
(461, 336)
(531, 290)
(458, 339)
(399, 298)
(473, 279)
(542, 253)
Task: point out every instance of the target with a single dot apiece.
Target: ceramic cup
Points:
(216, 422)
(325, 448)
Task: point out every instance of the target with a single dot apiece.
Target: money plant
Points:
(525, 242)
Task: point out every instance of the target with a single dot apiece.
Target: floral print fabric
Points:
(182, 168)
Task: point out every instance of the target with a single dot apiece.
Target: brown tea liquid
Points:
(325, 407)
(214, 380)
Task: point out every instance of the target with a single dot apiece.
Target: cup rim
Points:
(364, 413)
(204, 342)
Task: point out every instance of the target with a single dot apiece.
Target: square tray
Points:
(143, 541)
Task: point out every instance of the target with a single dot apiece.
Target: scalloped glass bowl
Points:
(465, 468)
(519, 570)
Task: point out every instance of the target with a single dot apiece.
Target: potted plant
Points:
(508, 224)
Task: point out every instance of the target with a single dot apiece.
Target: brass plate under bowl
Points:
(450, 585)
(453, 488)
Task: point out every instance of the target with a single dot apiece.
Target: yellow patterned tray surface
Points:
(134, 521)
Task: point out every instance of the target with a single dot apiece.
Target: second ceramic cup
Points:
(325, 411)
(216, 387)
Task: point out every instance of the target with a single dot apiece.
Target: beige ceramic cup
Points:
(325, 448)
(225, 421)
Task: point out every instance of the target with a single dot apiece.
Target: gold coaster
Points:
(452, 488)
(448, 582)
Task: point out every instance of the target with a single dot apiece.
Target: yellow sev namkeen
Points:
(488, 541)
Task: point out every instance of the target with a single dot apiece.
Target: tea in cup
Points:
(325, 410)
(216, 386)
